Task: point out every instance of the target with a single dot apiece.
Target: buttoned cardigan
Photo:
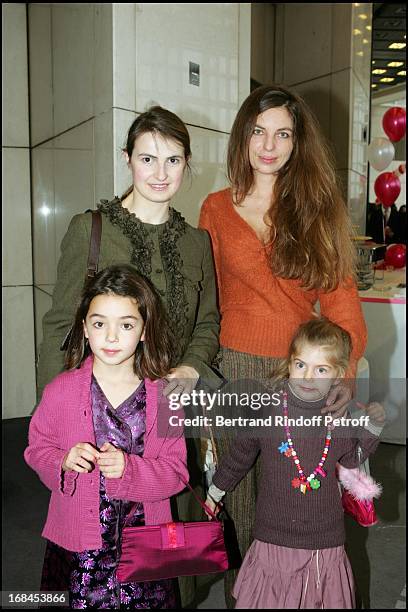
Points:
(64, 418)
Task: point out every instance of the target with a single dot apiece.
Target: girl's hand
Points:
(338, 399)
(213, 506)
(111, 461)
(81, 458)
(375, 411)
(182, 379)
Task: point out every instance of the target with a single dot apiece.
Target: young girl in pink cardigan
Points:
(94, 443)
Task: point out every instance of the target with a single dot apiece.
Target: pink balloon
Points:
(396, 255)
(394, 123)
(387, 188)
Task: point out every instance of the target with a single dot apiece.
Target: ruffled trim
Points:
(142, 251)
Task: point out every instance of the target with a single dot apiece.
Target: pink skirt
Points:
(276, 577)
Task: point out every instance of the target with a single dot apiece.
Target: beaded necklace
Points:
(303, 483)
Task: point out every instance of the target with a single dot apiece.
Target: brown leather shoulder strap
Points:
(94, 244)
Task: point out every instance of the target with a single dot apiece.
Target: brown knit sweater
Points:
(284, 515)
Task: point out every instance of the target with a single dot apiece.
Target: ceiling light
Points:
(397, 46)
(387, 79)
(356, 32)
(360, 53)
(373, 85)
(373, 62)
(379, 71)
(356, 4)
(365, 41)
(395, 64)
(402, 73)
(362, 16)
(368, 27)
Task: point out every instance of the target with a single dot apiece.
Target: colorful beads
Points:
(304, 483)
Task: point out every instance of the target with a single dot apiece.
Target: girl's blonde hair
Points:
(325, 334)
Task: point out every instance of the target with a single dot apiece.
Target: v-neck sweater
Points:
(260, 312)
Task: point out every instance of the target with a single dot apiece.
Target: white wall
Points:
(93, 68)
(323, 51)
(18, 393)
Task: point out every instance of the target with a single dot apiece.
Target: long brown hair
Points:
(153, 356)
(310, 226)
(161, 121)
(319, 332)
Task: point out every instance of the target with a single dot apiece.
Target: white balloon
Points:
(381, 152)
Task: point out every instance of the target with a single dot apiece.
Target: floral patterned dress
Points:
(90, 576)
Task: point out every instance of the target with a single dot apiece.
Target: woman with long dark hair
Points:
(281, 239)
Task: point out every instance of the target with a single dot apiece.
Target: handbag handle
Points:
(93, 260)
(94, 244)
(200, 501)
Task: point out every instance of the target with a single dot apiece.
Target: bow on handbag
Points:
(359, 491)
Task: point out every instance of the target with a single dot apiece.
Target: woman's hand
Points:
(375, 411)
(111, 461)
(182, 379)
(81, 458)
(338, 399)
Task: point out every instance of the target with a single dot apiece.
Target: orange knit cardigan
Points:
(259, 311)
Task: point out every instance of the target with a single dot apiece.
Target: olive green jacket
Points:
(198, 338)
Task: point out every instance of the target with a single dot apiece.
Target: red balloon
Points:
(394, 123)
(387, 188)
(395, 255)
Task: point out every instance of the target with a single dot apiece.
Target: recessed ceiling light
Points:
(397, 46)
(368, 27)
(395, 64)
(387, 79)
(362, 16)
(402, 73)
(356, 32)
(379, 71)
(365, 41)
(360, 53)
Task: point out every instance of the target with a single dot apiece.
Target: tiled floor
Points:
(377, 554)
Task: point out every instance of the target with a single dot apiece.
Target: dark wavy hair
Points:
(153, 356)
(311, 233)
(158, 120)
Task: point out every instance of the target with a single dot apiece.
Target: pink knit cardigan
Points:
(64, 418)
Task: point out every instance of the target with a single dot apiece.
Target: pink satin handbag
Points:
(156, 552)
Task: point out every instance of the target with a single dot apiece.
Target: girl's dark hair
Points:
(161, 121)
(153, 357)
(310, 226)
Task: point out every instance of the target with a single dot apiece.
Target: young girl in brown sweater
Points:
(297, 559)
